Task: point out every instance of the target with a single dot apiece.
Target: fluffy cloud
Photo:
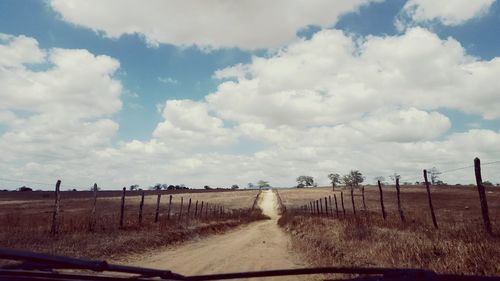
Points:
(214, 24)
(189, 123)
(403, 126)
(331, 79)
(328, 104)
(454, 12)
(54, 109)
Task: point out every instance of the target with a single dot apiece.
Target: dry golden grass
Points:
(460, 245)
(26, 223)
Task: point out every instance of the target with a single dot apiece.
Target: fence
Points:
(176, 210)
(324, 206)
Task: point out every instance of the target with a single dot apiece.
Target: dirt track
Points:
(260, 245)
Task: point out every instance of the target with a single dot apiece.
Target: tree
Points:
(380, 179)
(433, 174)
(305, 180)
(134, 187)
(235, 186)
(250, 185)
(156, 187)
(263, 184)
(356, 177)
(346, 180)
(395, 177)
(334, 179)
(24, 189)
(353, 179)
(207, 187)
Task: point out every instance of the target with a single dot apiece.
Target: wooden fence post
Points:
(201, 209)
(326, 207)
(400, 209)
(330, 204)
(311, 208)
(93, 213)
(430, 200)
(55, 215)
(206, 211)
(169, 206)
(122, 207)
(336, 205)
(317, 208)
(352, 201)
(180, 210)
(363, 196)
(196, 209)
(320, 206)
(158, 205)
(384, 215)
(482, 195)
(141, 205)
(342, 201)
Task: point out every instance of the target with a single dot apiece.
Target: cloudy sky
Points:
(123, 92)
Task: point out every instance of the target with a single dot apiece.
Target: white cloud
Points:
(16, 51)
(208, 24)
(189, 122)
(323, 105)
(168, 80)
(57, 113)
(403, 126)
(454, 12)
(331, 80)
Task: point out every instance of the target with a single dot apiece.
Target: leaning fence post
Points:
(92, 214)
(141, 205)
(317, 208)
(55, 216)
(336, 206)
(430, 200)
(352, 201)
(158, 205)
(320, 206)
(196, 209)
(201, 210)
(342, 201)
(122, 207)
(169, 206)
(482, 195)
(384, 215)
(400, 209)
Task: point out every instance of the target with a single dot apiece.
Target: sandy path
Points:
(260, 245)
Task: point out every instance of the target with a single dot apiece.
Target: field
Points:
(460, 245)
(26, 219)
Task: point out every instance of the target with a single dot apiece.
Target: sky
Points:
(231, 92)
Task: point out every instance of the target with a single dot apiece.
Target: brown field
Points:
(460, 245)
(26, 218)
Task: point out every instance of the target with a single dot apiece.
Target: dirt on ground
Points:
(258, 246)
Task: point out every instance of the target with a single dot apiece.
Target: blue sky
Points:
(155, 68)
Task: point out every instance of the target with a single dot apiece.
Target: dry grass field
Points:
(460, 245)
(26, 221)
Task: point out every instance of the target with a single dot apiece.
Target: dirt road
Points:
(260, 245)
